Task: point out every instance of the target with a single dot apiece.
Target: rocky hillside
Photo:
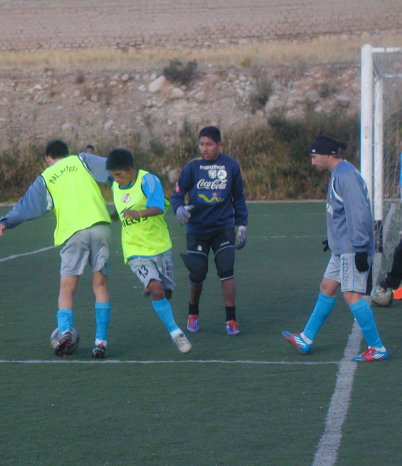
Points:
(103, 107)
(99, 107)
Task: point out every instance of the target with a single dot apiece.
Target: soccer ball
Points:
(382, 296)
(55, 338)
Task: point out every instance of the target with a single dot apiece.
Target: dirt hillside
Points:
(100, 106)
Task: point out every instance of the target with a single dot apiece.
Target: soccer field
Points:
(246, 400)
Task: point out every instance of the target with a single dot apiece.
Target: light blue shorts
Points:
(342, 269)
(90, 246)
(158, 268)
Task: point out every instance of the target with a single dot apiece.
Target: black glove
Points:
(361, 261)
(325, 244)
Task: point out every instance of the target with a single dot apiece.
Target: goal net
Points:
(381, 147)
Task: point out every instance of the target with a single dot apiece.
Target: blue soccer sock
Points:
(102, 320)
(322, 309)
(64, 320)
(365, 318)
(164, 311)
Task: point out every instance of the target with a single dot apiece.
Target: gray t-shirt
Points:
(349, 218)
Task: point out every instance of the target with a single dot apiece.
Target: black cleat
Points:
(65, 342)
(99, 351)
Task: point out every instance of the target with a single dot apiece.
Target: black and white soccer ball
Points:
(382, 296)
(56, 337)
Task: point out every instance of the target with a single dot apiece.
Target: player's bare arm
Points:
(137, 214)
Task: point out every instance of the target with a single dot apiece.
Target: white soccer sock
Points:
(98, 342)
(305, 339)
(382, 349)
(175, 332)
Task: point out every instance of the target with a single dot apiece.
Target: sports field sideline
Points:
(247, 400)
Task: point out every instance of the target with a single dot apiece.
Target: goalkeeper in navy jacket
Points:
(351, 241)
(216, 217)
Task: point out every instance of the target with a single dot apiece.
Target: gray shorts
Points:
(342, 269)
(155, 268)
(90, 246)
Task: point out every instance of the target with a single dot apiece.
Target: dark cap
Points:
(326, 145)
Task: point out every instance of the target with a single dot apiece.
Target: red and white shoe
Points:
(372, 354)
(231, 328)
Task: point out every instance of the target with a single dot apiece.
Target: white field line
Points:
(294, 201)
(328, 447)
(329, 444)
(36, 251)
(189, 361)
(265, 237)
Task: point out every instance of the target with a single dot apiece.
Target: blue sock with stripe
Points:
(64, 320)
(102, 320)
(164, 311)
(322, 309)
(365, 318)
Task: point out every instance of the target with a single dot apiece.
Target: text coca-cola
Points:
(215, 184)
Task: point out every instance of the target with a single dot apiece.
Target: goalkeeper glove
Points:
(182, 213)
(241, 237)
(361, 261)
(325, 244)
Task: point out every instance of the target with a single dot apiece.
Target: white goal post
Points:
(381, 147)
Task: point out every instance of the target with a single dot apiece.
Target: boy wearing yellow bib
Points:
(68, 187)
(140, 203)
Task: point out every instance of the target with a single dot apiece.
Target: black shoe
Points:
(390, 282)
(65, 342)
(99, 351)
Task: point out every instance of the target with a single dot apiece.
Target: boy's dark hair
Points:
(90, 146)
(57, 149)
(211, 132)
(120, 159)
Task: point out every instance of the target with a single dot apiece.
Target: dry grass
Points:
(321, 50)
(273, 157)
